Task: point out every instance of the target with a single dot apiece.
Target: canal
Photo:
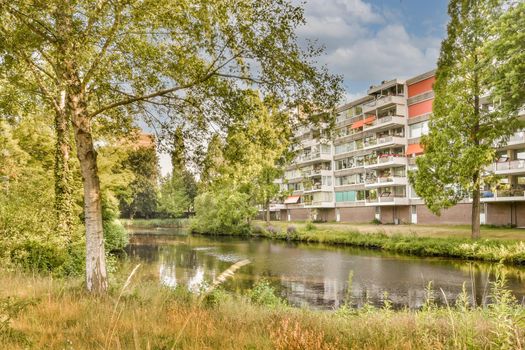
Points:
(315, 275)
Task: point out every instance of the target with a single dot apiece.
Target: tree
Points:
(257, 147)
(180, 170)
(463, 130)
(142, 201)
(173, 200)
(110, 61)
(505, 56)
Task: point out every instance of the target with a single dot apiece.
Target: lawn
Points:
(436, 231)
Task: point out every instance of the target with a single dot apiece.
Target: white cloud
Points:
(389, 53)
(366, 44)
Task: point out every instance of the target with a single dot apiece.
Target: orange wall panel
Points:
(421, 87)
(420, 108)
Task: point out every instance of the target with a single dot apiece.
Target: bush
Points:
(309, 226)
(223, 211)
(265, 294)
(115, 235)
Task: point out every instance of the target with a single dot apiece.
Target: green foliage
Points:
(223, 211)
(505, 57)
(140, 199)
(462, 132)
(309, 226)
(263, 293)
(10, 308)
(173, 200)
(115, 235)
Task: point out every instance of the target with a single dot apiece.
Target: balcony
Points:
(319, 204)
(516, 139)
(385, 141)
(389, 161)
(317, 172)
(383, 102)
(318, 187)
(385, 123)
(508, 168)
(312, 158)
(511, 195)
(386, 181)
(387, 200)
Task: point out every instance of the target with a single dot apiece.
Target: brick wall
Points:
(499, 214)
(520, 214)
(458, 215)
(299, 214)
(357, 214)
(389, 213)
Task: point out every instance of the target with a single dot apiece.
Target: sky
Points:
(367, 41)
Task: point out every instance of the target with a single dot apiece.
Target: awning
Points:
(363, 122)
(415, 148)
(292, 200)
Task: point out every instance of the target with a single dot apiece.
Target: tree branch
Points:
(33, 28)
(104, 48)
(163, 92)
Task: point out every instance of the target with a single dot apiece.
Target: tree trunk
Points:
(96, 275)
(63, 196)
(476, 208)
(267, 207)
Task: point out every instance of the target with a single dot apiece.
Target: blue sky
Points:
(372, 40)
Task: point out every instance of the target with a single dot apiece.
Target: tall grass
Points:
(152, 317)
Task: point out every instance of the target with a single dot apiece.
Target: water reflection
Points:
(316, 275)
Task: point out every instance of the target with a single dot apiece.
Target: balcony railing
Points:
(311, 156)
(510, 193)
(509, 165)
(384, 120)
(384, 140)
(386, 180)
(387, 199)
(383, 101)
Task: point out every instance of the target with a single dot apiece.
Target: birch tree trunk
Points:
(96, 275)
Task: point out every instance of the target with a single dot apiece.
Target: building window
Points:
(419, 129)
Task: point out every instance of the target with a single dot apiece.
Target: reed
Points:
(151, 317)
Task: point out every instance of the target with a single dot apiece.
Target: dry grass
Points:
(151, 317)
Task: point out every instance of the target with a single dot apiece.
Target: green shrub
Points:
(309, 226)
(263, 293)
(223, 211)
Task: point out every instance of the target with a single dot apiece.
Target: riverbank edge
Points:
(509, 252)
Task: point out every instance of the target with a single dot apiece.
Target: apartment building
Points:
(359, 172)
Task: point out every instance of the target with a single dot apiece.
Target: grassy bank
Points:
(57, 314)
(154, 223)
(491, 250)
(435, 231)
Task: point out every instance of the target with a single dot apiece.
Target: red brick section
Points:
(299, 214)
(421, 87)
(327, 214)
(520, 214)
(499, 214)
(457, 215)
(357, 214)
(389, 213)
